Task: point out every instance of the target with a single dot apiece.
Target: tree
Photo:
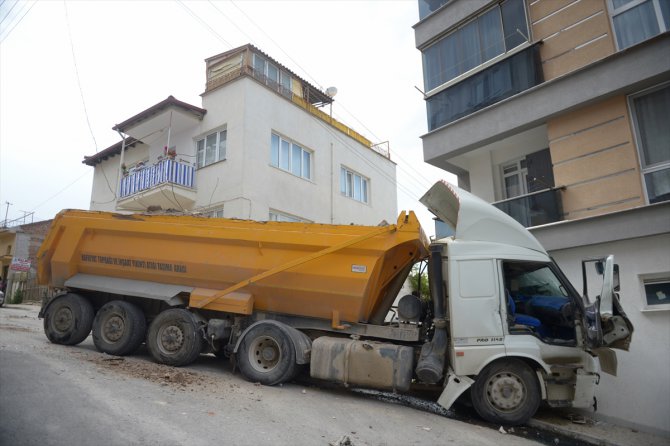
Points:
(414, 276)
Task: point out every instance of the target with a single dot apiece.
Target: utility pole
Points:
(4, 225)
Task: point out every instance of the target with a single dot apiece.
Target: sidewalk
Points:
(592, 431)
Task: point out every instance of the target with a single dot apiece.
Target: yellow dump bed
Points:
(306, 269)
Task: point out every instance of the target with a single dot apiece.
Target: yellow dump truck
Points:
(282, 297)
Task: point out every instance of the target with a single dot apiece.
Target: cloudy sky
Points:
(71, 70)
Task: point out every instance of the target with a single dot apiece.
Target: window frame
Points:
(644, 168)
(292, 146)
(521, 173)
(287, 218)
(348, 185)
(214, 213)
(485, 63)
(653, 279)
(201, 162)
(613, 12)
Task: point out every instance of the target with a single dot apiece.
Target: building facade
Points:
(260, 147)
(557, 112)
(18, 260)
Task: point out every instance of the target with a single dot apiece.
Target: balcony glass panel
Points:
(500, 81)
(534, 209)
(165, 171)
(427, 7)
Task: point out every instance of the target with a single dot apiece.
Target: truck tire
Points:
(68, 319)
(119, 328)
(506, 392)
(174, 338)
(267, 355)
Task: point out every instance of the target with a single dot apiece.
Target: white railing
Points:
(164, 171)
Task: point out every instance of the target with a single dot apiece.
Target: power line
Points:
(76, 70)
(196, 17)
(60, 191)
(416, 176)
(400, 187)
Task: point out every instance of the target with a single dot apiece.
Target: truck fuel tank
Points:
(362, 363)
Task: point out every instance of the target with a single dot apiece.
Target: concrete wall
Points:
(106, 177)
(639, 396)
(638, 238)
(245, 184)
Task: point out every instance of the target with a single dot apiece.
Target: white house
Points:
(258, 148)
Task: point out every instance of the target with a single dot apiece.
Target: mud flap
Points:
(455, 387)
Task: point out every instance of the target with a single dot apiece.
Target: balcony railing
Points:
(165, 171)
(537, 208)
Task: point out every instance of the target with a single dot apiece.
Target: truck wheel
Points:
(68, 319)
(506, 392)
(267, 355)
(174, 338)
(119, 328)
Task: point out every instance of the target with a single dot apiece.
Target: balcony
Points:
(534, 209)
(168, 184)
(498, 82)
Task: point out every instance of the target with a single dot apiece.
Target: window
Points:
(290, 157)
(515, 178)
(635, 21)
(492, 33)
(427, 7)
(497, 82)
(271, 75)
(650, 114)
(354, 186)
(211, 148)
(280, 216)
(217, 213)
(531, 173)
(657, 294)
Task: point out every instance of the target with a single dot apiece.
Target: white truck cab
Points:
(518, 331)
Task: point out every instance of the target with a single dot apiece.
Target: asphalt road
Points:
(57, 395)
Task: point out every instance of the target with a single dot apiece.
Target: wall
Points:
(106, 178)
(639, 396)
(259, 112)
(594, 156)
(574, 33)
(27, 241)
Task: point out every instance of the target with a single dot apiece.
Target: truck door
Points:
(475, 314)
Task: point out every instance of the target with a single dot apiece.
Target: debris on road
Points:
(343, 441)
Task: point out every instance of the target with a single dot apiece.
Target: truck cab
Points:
(519, 332)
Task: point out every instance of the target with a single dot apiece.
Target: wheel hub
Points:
(63, 319)
(113, 328)
(506, 391)
(171, 339)
(264, 354)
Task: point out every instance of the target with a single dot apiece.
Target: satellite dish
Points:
(331, 91)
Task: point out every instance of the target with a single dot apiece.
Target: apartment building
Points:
(558, 113)
(262, 145)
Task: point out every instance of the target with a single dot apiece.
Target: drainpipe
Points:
(119, 174)
(430, 367)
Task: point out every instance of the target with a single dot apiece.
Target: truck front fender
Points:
(455, 387)
(301, 342)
